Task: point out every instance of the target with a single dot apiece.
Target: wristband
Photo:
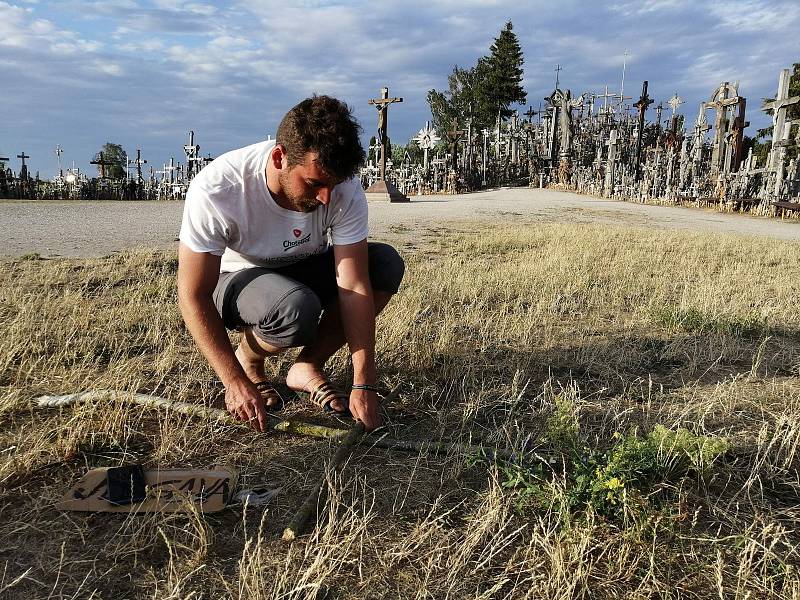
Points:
(365, 386)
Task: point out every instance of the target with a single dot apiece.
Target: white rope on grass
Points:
(186, 408)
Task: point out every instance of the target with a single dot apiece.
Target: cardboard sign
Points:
(168, 490)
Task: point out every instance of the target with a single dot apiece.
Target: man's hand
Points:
(245, 403)
(198, 273)
(357, 309)
(364, 406)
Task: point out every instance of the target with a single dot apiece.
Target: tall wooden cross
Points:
(454, 136)
(557, 69)
(642, 104)
(608, 187)
(530, 113)
(171, 169)
(780, 131)
(192, 151)
(382, 104)
(139, 162)
(58, 152)
(23, 172)
(101, 163)
(605, 96)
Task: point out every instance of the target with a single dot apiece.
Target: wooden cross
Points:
(139, 162)
(382, 104)
(780, 131)
(376, 149)
(530, 114)
(557, 69)
(642, 104)
(101, 162)
(779, 105)
(23, 172)
(454, 136)
(612, 157)
(605, 96)
(171, 169)
(455, 133)
(58, 152)
(192, 151)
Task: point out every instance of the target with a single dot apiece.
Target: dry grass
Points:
(559, 338)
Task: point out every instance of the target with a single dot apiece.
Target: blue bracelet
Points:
(365, 386)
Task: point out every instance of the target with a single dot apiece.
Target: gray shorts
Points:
(283, 305)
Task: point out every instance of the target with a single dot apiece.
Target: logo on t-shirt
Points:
(297, 233)
(289, 244)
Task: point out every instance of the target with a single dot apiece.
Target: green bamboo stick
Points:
(317, 496)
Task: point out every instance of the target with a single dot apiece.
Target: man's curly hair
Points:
(326, 126)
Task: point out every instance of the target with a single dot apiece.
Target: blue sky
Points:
(82, 72)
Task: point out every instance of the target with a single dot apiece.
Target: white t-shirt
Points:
(229, 212)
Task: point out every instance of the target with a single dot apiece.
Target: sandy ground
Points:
(100, 228)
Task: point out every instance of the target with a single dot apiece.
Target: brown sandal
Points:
(324, 393)
(267, 391)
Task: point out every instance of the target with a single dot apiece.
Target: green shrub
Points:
(628, 474)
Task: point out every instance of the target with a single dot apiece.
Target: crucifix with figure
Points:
(641, 105)
(382, 104)
(23, 171)
(382, 189)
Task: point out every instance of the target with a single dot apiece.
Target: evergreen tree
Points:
(502, 84)
(494, 83)
(114, 157)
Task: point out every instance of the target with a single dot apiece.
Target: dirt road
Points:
(100, 228)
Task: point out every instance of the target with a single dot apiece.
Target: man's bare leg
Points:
(307, 372)
(251, 353)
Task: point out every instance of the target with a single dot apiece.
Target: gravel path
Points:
(100, 228)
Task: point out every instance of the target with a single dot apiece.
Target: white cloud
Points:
(190, 7)
(756, 16)
(644, 7)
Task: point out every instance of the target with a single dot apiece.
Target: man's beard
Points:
(297, 199)
(307, 205)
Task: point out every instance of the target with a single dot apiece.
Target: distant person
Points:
(273, 236)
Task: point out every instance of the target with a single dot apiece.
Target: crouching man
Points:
(274, 244)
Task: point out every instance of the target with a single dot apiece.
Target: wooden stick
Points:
(288, 426)
(441, 447)
(437, 447)
(317, 496)
(189, 408)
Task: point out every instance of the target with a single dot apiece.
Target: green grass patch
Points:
(634, 474)
(693, 320)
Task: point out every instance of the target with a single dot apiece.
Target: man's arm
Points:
(197, 277)
(358, 320)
